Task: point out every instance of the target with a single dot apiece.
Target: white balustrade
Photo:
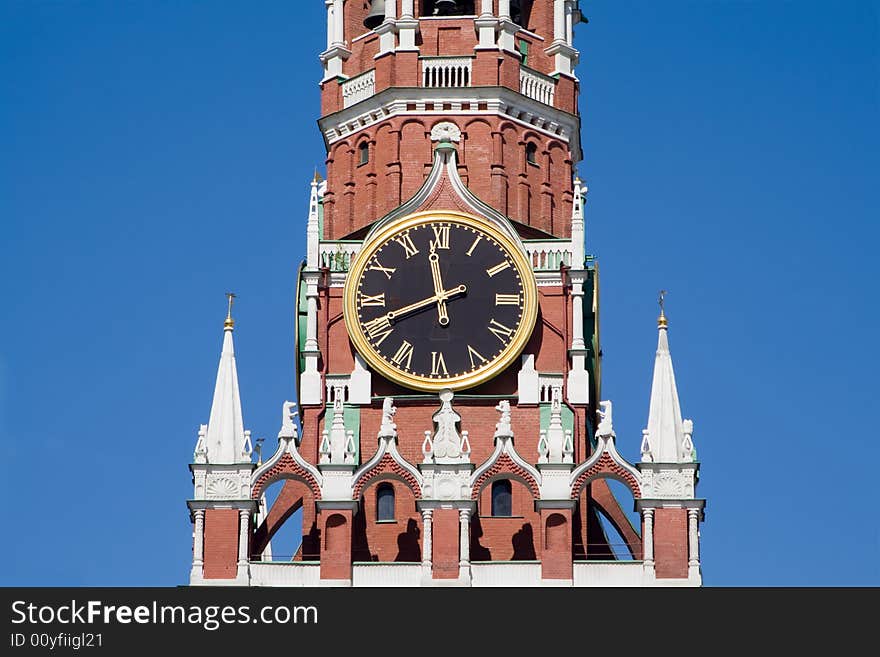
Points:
(446, 71)
(536, 86)
(548, 255)
(290, 573)
(358, 88)
(337, 255)
(386, 574)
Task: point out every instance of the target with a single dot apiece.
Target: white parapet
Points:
(359, 88)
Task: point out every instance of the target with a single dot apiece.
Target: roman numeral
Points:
(437, 363)
(472, 353)
(377, 300)
(500, 330)
(497, 268)
(404, 352)
(378, 328)
(441, 237)
(385, 270)
(474, 245)
(506, 299)
(406, 242)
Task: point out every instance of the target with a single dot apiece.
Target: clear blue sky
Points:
(155, 154)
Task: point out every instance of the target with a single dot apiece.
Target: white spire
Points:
(665, 439)
(225, 440)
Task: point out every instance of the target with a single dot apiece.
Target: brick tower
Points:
(448, 428)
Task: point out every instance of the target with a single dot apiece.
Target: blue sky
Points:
(155, 154)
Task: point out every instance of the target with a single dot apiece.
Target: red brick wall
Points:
(221, 543)
(516, 538)
(336, 544)
(445, 544)
(400, 540)
(493, 164)
(556, 555)
(670, 542)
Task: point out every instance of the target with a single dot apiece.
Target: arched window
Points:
(502, 497)
(363, 153)
(531, 153)
(385, 502)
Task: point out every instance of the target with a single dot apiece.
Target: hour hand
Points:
(442, 315)
(395, 315)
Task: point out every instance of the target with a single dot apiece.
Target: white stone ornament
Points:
(446, 131)
(288, 428)
(388, 429)
(606, 426)
(447, 443)
(502, 427)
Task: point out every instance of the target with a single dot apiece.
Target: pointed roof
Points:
(665, 434)
(225, 440)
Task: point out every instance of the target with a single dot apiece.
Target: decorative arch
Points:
(605, 467)
(387, 467)
(505, 467)
(285, 468)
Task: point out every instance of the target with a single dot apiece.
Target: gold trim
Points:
(514, 348)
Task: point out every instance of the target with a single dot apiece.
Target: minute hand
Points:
(394, 315)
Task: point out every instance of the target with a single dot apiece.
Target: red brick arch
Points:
(505, 466)
(605, 467)
(286, 468)
(387, 467)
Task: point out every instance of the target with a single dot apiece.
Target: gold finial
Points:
(661, 321)
(229, 323)
(317, 177)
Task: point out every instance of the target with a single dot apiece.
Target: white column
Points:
(406, 8)
(243, 535)
(577, 316)
(331, 23)
(648, 537)
(558, 20)
(464, 535)
(386, 29)
(427, 537)
(504, 9)
(338, 28)
(693, 537)
(569, 22)
(199, 540)
(312, 316)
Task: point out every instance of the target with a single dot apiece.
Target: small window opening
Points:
(385, 502)
(502, 496)
(363, 153)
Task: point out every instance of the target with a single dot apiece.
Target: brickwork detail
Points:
(286, 467)
(505, 466)
(606, 467)
(386, 466)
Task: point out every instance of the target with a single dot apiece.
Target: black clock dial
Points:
(440, 300)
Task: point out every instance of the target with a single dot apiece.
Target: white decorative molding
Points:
(359, 88)
(446, 131)
(528, 382)
(222, 488)
(500, 101)
(336, 255)
(548, 255)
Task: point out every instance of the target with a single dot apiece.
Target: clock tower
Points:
(448, 427)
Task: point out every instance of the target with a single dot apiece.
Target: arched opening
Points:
(502, 499)
(532, 153)
(335, 534)
(605, 525)
(363, 153)
(555, 533)
(385, 503)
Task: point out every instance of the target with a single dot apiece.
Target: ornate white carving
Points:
(222, 488)
(667, 484)
(446, 445)
(606, 427)
(687, 443)
(388, 429)
(647, 456)
(555, 445)
(502, 427)
(288, 428)
(337, 444)
(446, 131)
(200, 455)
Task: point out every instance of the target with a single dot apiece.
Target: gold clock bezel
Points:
(461, 382)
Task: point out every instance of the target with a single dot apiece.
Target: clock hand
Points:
(434, 259)
(395, 315)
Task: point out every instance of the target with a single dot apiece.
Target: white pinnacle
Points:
(225, 439)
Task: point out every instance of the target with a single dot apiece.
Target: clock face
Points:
(440, 300)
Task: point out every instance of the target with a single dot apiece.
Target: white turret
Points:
(667, 438)
(225, 440)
